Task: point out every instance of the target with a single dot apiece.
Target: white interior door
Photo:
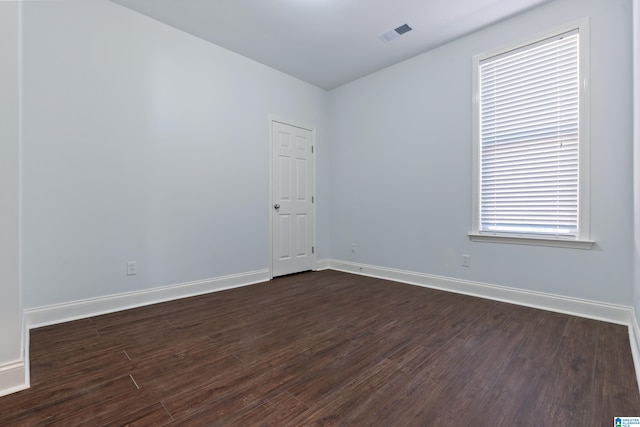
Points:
(293, 219)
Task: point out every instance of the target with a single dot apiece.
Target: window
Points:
(530, 142)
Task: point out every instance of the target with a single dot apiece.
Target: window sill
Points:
(532, 241)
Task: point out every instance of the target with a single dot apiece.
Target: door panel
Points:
(301, 234)
(293, 210)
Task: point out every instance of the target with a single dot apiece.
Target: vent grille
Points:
(404, 28)
(392, 34)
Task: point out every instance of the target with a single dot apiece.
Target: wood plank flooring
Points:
(328, 349)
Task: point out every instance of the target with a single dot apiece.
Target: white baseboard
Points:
(322, 264)
(13, 378)
(58, 313)
(578, 307)
(634, 341)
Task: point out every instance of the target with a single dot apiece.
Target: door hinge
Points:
(312, 199)
(312, 148)
(313, 249)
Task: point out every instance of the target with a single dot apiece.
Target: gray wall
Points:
(401, 164)
(10, 303)
(636, 156)
(144, 143)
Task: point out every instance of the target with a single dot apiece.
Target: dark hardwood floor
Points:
(328, 348)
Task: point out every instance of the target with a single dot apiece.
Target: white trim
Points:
(584, 208)
(24, 343)
(612, 313)
(634, 329)
(634, 342)
(322, 264)
(532, 241)
(58, 313)
(14, 375)
(270, 201)
(273, 118)
(314, 156)
(25, 352)
(13, 378)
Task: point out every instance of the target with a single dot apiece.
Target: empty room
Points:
(320, 212)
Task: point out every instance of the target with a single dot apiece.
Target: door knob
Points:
(276, 206)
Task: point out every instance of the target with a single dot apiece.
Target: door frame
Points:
(273, 119)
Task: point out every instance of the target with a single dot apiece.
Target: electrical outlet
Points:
(466, 260)
(132, 268)
(353, 248)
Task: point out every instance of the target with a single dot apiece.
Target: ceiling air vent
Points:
(392, 34)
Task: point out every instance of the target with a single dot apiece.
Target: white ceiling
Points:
(328, 42)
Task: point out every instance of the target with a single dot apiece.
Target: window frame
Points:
(583, 239)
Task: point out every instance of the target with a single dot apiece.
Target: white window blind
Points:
(529, 140)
